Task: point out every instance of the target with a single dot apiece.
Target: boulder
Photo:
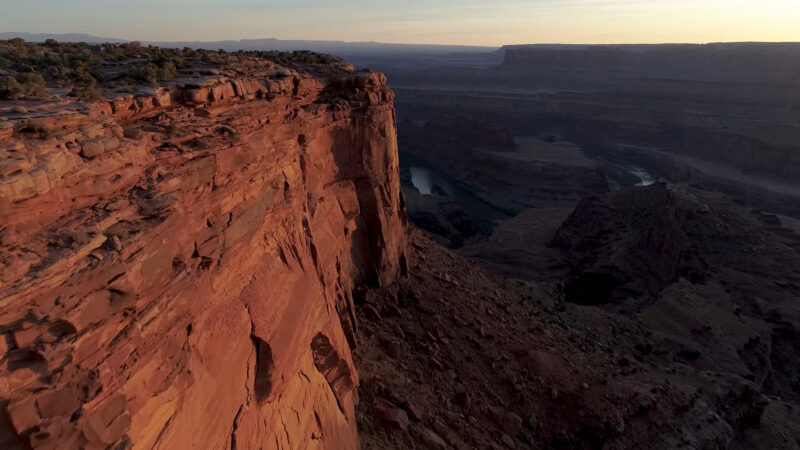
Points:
(395, 417)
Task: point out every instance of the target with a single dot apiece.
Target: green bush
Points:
(147, 73)
(33, 83)
(16, 42)
(85, 93)
(153, 73)
(24, 85)
(10, 89)
(167, 71)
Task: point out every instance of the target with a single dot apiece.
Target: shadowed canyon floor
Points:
(454, 356)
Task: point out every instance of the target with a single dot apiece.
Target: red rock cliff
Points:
(178, 266)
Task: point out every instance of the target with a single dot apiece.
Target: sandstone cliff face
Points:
(178, 266)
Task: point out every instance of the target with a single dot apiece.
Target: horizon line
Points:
(496, 47)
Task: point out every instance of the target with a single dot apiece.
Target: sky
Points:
(470, 22)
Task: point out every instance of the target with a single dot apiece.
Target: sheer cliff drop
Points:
(178, 265)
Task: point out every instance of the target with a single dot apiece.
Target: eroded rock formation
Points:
(178, 265)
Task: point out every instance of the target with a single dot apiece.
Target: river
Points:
(430, 182)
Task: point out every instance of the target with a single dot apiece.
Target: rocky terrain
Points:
(440, 215)
(677, 321)
(693, 284)
(179, 258)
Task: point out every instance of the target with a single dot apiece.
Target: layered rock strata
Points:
(178, 265)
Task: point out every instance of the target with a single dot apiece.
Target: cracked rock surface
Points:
(177, 267)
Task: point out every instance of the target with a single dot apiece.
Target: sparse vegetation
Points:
(170, 128)
(27, 69)
(23, 85)
(301, 57)
(85, 93)
(153, 73)
(36, 127)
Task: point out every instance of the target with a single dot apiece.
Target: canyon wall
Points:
(179, 265)
(742, 147)
(741, 61)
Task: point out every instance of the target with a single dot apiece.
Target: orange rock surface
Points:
(178, 266)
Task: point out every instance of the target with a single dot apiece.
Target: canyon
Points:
(644, 185)
(720, 116)
(258, 250)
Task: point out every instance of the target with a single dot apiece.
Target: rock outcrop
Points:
(636, 242)
(178, 265)
(631, 244)
(478, 361)
(661, 310)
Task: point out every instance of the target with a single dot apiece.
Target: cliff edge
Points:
(179, 261)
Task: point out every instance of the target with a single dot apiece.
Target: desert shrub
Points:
(85, 93)
(209, 56)
(24, 85)
(178, 62)
(153, 73)
(81, 73)
(37, 128)
(167, 71)
(10, 89)
(147, 73)
(33, 84)
(300, 57)
(16, 42)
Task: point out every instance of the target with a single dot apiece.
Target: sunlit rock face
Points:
(178, 267)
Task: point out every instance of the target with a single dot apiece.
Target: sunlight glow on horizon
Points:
(469, 22)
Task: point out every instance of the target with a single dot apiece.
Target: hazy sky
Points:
(483, 22)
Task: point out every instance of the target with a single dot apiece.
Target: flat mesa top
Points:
(46, 72)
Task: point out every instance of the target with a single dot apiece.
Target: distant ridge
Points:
(665, 45)
(336, 47)
(66, 37)
(732, 61)
(341, 48)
